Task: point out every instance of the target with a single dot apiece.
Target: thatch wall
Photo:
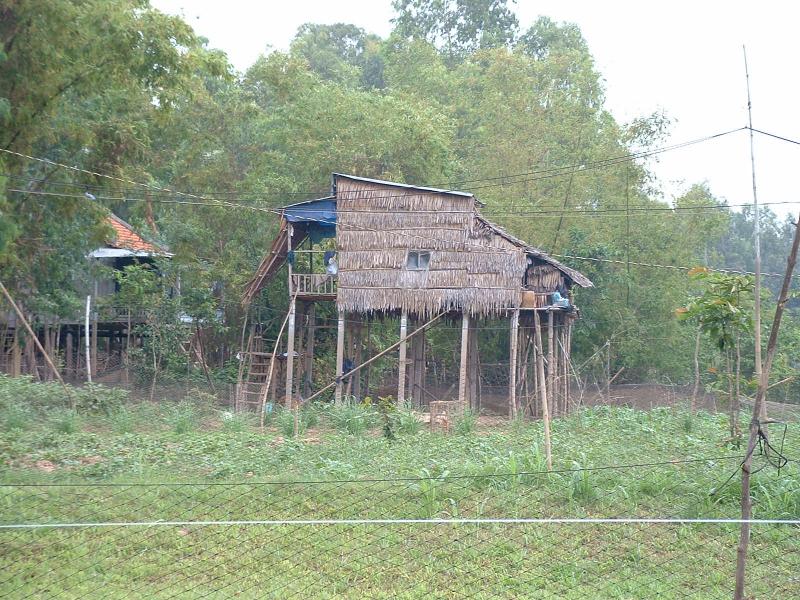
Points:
(470, 269)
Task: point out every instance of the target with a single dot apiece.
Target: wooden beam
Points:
(462, 373)
(339, 359)
(542, 389)
(551, 371)
(402, 363)
(290, 354)
(308, 370)
(27, 326)
(512, 367)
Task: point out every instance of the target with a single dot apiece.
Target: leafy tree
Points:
(723, 312)
(459, 27)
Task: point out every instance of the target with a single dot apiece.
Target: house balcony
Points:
(313, 286)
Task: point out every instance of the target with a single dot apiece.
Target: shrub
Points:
(353, 419)
(405, 422)
(235, 422)
(45, 396)
(15, 416)
(286, 422)
(182, 418)
(122, 421)
(65, 421)
(465, 423)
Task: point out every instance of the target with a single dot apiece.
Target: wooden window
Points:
(418, 260)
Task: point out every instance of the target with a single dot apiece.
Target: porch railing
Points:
(313, 284)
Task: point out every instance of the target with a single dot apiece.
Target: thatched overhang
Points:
(475, 266)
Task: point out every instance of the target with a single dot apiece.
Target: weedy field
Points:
(111, 461)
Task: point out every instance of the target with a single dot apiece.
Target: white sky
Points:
(680, 56)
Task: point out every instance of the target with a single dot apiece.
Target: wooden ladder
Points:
(257, 360)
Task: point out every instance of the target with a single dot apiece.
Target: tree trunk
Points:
(696, 388)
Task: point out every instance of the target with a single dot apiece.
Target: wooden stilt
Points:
(69, 365)
(417, 367)
(339, 358)
(308, 369)
(290, 354)
(369, 353)
(358, 351)
(542, 389)
(94, 344)
(569, 364)
(550, 364)
(422, 371)
(16, 358)
(473, 371)
(301, 362)
(402, 363)
(512, 368)
(462, 373)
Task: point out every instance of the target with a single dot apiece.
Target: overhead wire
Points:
(504, 180)
(223, 203)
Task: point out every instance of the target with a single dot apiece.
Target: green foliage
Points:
(65, 421)
(236, 422)
(723, 308)
(465, 423)
(182, 418)
(123, 421)
(352, 418)
(457, 92)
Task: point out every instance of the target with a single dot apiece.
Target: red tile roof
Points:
(126, 238)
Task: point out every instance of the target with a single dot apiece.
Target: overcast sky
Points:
(682, 57)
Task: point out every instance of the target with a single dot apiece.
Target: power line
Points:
(661, 266)
(712, 209)
(772, 135)
(504, 180)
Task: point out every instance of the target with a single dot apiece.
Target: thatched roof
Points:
(475, 266)
(574, 275)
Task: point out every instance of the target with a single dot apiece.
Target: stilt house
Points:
(397, 250)
(110, 326)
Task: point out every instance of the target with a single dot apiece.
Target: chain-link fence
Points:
(576, 533)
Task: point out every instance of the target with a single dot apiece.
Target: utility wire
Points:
(555, 212)
(500, 181)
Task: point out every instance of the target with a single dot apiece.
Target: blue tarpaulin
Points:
(321, 212)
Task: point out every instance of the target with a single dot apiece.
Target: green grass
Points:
(240, 473)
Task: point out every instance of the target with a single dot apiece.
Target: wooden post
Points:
(308, 370)
(357, 356)
(401, 367)
(542, 388)
(462, 373)
(27, 326)
(550, 365)
(383, 352)
(339, 358)
(473, 368)
(87, 340)
(756, 429)
(300, 350)
(512, 368)
(16, 357)
(567, 365)
(369, 353)
(290, 355)
(68, 355)
(94, 344)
